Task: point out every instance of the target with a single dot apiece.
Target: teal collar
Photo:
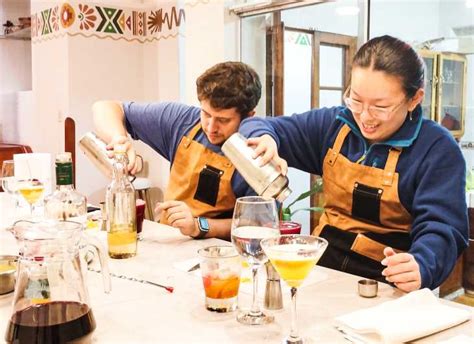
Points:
(403, 137)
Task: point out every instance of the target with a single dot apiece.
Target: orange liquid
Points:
(217, 288)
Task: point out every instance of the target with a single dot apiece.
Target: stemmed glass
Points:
(8, 178)
(255, 218)
(32, 190)
(293, 257)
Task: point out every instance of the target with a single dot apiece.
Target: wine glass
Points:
(8, 178)
(31, 190)
(254, 219)
(293, 257)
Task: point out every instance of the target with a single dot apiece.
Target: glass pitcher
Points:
(51, 302)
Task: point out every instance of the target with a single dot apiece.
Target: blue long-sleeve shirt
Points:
(431, 175)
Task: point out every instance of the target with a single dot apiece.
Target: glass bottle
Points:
(120, 209)
(66, 203)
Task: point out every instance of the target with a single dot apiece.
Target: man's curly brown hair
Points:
(230, 85)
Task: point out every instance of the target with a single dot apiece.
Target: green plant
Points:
(287, 213)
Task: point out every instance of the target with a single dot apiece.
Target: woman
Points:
(394, 182)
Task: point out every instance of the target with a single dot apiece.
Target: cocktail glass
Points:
(293, 257)
(31, 190)
(220, 268)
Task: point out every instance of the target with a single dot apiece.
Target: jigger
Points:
(273, 298)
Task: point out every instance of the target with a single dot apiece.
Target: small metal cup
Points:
(368, 288)
(103, 212)
(273, 297)
(7, 273)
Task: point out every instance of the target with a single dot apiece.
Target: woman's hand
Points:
(266, 147)
(401, 270)
(134, 164)
(178, 214)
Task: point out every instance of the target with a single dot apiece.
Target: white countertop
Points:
(140, 313)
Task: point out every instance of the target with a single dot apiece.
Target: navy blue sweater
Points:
(431, 170)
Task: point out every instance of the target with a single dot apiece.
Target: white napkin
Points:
(412, 316)
(188, 264)
(459, 339)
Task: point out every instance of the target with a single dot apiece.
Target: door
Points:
(309, 69)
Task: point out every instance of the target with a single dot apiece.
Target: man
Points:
(203, 184)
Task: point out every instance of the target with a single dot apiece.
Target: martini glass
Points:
(293, 257)
(31, 190)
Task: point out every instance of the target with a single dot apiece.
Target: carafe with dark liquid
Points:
(52, 322)
(51, 302)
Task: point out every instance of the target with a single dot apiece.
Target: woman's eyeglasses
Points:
(378, 112)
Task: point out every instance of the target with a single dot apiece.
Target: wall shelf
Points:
(23, 35)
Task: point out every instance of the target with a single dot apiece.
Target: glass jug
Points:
(51, 302)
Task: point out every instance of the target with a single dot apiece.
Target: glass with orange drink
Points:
(220, 268)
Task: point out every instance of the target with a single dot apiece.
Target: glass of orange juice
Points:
(220, 268)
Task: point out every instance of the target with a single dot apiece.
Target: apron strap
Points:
(341, 136)
(190, 136)
(389, 170)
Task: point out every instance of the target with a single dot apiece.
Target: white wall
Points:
(253, 51)
(8, 117)
(15, 65)
(15, 70)
(99, 69)
(50, 79)
(204, 44)
(412, 21)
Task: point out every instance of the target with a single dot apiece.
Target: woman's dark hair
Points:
(394, 57)
(230, 85)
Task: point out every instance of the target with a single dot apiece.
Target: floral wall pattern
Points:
(105, 22)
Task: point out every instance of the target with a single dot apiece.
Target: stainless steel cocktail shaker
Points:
(265, 180)
(95, 150)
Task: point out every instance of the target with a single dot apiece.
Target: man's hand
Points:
(266, 147)
(179, 215)
(134, 164)
(402, 270)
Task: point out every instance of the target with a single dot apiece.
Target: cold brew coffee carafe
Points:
(51, 302)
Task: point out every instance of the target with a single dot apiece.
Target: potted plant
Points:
(287, 226)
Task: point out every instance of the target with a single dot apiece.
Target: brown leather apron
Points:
(201, 178)
(362, 212)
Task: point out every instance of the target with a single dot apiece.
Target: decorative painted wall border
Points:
(106, 22)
